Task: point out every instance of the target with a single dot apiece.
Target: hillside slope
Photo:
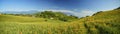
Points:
(21, 19)
(56, 16)
(106, 22)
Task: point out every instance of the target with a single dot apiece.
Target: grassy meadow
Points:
(106, 22)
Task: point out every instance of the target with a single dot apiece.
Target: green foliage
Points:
(55, 15)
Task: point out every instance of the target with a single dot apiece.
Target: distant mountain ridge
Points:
(19, 12)
(31, 12)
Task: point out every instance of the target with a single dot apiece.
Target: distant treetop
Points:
(118, 8)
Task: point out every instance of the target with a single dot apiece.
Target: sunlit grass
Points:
(102, 23)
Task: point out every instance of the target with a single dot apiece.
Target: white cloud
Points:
(84, 13)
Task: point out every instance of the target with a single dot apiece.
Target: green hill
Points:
(21, 19)
(105, 22)
(56, 16)
(10, 24)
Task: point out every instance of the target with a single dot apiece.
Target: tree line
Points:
(49, 15)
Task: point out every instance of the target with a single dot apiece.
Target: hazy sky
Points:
(62, 5)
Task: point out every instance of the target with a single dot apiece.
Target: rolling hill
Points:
(105, 22)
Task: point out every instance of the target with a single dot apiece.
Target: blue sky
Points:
(76, 6)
